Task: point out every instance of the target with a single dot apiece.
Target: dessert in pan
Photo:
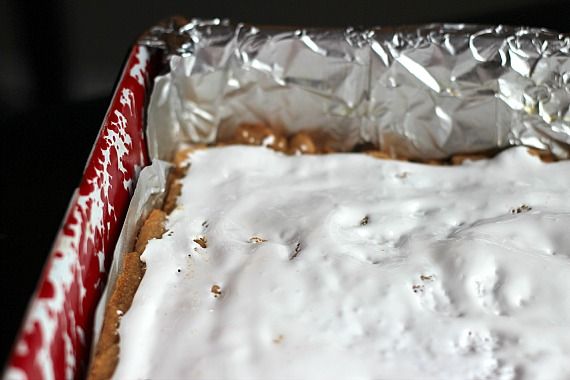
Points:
(272, 259)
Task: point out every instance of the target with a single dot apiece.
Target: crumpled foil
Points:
(420, 92)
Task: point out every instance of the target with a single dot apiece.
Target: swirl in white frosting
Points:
(345, 266)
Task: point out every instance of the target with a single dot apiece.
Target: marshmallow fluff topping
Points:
(344, 266)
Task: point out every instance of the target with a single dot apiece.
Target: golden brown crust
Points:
(432, 162)
(152, 228)
(311, 142)
(302, 143)
(174, 190)
(107, 350)
(173, 185)
(544, 155)
(459, 159)
(379, 154)
(260, 134)
(319, 142)
(181, 156)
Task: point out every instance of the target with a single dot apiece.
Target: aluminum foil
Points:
(422, 92)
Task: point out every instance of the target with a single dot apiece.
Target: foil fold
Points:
(425, 91)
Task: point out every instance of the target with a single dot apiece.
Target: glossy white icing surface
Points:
(370, 269)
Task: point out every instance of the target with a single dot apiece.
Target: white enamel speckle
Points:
(15, 374)
(138, 69)
(101, 261)
(22, 348)
(128, 99)
(365, 272)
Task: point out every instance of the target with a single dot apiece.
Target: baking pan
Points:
(426, 91)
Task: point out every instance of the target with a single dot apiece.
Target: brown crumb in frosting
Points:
(216, 290)
(256, 240)
(201, 241)
(417, 288)
(522, 208)
(402, 175)
(296, 251)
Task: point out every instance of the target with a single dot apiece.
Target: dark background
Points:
(58, 64)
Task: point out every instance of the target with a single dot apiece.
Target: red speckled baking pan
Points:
(55, 336)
